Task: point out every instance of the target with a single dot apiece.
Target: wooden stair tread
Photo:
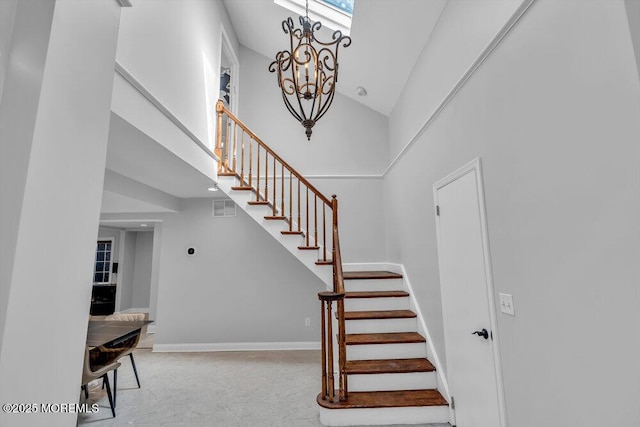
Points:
(388, 366)
(270, 217)
(242, 188)
(379, 314)
(258, 202)
(287, 232)
(386, 399)
(327, 262)
(376, 294)
(361, 275)
(384, 338)
(308, 248)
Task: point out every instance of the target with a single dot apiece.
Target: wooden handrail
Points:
(220, 108)
(327, 298)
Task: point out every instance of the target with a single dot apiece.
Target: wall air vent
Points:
(224, 209)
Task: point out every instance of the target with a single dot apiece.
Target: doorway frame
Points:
(226, 49)
(475, 165)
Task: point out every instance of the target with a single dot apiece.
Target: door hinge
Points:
(453, 403)
(437, 210)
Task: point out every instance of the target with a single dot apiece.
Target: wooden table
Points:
(112, 332)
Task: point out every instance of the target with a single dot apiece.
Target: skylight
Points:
(345, 6)
(334, 14)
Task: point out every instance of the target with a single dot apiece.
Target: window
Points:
(102, 267)
(345, 6)
(334, 14)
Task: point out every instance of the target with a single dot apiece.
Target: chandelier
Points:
(308, 71)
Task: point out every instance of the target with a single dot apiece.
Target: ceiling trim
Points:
(137, 85)
(506, 28)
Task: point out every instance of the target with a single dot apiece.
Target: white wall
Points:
(127, 271)
(463, 31)
(142, 270)
(26, 46)
(54, 122)
(553, 114)
(173, 48)
(633, 15)
(7, 15)
(361, 208)
(346, 156)
(240, 287)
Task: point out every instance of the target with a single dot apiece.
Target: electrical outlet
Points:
(506, 304)
(307, 321)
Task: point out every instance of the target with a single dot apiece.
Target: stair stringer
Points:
(274, 227)
(432, 355)
(432, 416)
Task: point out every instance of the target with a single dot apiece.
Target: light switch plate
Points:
(506, 304)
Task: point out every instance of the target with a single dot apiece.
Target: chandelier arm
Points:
(324, 55)
(302, 113)
(316, 26)
(293, 112)
(325, 107)
(287, 24)
(330, 94)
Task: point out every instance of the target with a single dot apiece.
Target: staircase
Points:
(389, 377)
(370, 338)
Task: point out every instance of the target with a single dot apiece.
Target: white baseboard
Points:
(240, 346)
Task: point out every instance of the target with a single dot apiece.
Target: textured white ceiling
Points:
(387, 38)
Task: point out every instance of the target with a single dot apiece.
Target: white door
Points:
(468, 309)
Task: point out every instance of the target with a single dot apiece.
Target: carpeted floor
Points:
(216, 389)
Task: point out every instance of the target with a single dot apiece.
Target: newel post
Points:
(328, 380)
(334, 220)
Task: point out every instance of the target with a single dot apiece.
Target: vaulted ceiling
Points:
(387, 38)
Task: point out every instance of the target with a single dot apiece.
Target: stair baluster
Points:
(258, 175)
(226, 151)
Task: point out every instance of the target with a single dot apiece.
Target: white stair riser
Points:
(374, 285)
(374, 304)
(375, 326)
(386, 351)
(385, 416)
(384, 382)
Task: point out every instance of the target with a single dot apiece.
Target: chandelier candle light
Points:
(308, 72)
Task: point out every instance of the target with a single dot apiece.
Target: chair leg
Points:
(106, 380)
(135, 371)
(115, 386)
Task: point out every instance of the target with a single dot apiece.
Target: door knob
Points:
(483, 333)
